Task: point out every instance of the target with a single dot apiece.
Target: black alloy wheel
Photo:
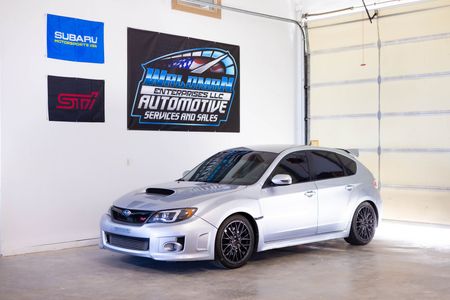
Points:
(363, 225)
(234, 242)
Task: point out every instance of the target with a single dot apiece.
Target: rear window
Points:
(326, 165)
(348, 164)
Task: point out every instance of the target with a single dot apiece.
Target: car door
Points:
(290, 211)
(334, 190)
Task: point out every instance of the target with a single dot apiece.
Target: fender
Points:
(217, 215)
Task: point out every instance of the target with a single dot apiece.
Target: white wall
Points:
(2, 8)
(57, 178)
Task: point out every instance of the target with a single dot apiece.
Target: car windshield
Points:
(240, 166)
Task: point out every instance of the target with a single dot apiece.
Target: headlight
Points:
(108, 212)
(171, 216)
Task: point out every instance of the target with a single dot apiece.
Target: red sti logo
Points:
(77, 101)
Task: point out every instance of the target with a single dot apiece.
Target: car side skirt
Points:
(300, 241)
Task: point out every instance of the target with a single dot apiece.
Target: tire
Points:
(235, 242)
(363, 226)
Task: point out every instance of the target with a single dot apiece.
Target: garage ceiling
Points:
(314, 6)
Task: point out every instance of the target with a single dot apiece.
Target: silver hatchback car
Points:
(247, 199)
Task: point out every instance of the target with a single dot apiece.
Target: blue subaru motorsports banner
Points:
(74, 39)
(181, 84)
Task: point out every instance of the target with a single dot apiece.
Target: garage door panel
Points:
(415, 132)
(424, 57)
(427, 94)
(345, 35)
(370, 160)
(348, 99)
(348, 63)
(345, 133)
(416, 169)
(418, 24)
(416, 205)
(413, 97)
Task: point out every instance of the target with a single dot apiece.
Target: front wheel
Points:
(234, 242)
(363, 226)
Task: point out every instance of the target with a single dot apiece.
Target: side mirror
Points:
(185, 173)
(282, 179)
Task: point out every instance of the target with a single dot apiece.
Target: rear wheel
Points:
(234, 242)
(363, 226)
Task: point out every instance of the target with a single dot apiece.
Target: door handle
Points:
(309, 193)
(349, 187)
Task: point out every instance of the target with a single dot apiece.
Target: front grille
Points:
(133, 216)
(127, 242)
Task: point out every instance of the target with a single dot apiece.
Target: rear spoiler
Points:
(354, 152)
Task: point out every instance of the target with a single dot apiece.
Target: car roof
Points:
(278, 148)
(272, 148)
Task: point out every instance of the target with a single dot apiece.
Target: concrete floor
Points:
(385, 269)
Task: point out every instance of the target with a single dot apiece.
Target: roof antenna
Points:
(368, 14)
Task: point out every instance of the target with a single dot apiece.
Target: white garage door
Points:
(385, 88)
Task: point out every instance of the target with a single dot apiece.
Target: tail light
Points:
(375, 183)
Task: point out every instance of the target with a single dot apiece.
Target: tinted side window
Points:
(325, 165)
(348, 164)
(294, 164)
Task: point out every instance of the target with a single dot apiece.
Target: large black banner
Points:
(181, 84)
(76, 99)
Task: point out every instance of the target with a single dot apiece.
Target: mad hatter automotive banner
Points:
(181, 83)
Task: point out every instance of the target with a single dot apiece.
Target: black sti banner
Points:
(181, 84)
(76, 99)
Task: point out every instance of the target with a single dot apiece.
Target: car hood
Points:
(178, 194)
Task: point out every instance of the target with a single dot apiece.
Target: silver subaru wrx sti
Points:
(243, 200)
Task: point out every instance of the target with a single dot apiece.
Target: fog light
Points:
(172, 246)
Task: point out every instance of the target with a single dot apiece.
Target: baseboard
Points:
(51, 247)
(416, 223)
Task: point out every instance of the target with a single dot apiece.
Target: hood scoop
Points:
(158, 191)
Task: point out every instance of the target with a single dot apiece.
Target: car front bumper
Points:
(196, 235)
